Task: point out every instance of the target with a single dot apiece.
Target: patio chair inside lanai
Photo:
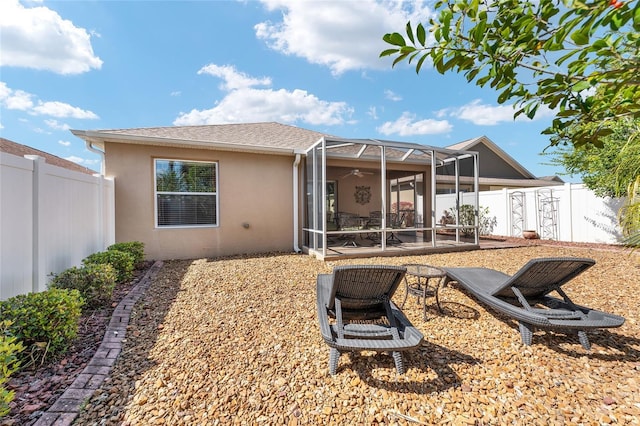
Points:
(368, 196)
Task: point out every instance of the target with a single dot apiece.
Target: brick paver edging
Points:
(64, 411)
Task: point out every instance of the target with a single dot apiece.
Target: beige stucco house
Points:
(216, 190)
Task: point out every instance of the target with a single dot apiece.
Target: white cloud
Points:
(233, 79)
(39, 38)
(64, 143)
(62, 110)
(55, 124)
(480, 114)
(23, 101)
(343, 35)
(175, 93)
(392, 96)
(82, 161)
(407, 125)
(488, 115)
(252, 105)
(14, 99)
(244, 103)
(373, 113)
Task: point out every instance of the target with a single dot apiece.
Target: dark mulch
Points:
(37, 388)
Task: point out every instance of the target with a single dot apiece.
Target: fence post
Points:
(505, 202)
(101, 225)
(566, 219)
(111, 211)
(38, 278)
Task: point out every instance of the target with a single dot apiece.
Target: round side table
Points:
(423, 281)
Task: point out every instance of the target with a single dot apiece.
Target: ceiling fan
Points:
(356, 172)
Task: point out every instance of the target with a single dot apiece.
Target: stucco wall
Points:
(254, 189)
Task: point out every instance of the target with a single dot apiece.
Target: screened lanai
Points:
(366, 197)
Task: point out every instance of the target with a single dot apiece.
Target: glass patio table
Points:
(423, 281)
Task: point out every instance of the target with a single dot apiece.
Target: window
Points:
(186, 193)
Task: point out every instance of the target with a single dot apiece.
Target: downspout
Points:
(296, 163)
(91, 148)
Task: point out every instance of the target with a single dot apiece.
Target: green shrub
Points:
(121, 261)
(467, 218)
(95, 282)
(134, 248)
(44, 322)
(9, 363)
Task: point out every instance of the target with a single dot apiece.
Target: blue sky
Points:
(314, 64)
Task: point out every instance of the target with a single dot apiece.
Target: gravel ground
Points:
(236, 341)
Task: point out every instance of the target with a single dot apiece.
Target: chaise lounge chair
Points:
(525, 296)
(356, 313)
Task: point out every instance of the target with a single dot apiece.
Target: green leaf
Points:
(388, 52)
(580, 86)
(400, 58)
(605, 131)
(472, 74)
(407, 49)
(504, 96)
(410, 32)
(420, 61)
(580, 37)
(600, 44)
(438, 61)
(395, 39)
(616, 22)
(420, 32)
(532, 112)
(566, 113)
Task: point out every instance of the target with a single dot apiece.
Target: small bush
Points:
(447, 218)
(121, 261)
(95, 282)
(9, 363)
(134, 248)
(467, 218)
(44, 322)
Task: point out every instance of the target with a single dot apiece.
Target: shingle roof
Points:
(463, 145)
(488, 143)
(20, 150)
(261, 135)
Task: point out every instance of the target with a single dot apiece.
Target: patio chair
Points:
(525, 296)
(374, 223)
(394, 220)
(349, 222)
(356, 313)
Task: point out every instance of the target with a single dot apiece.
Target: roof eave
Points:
(100, 138)
(529, 183)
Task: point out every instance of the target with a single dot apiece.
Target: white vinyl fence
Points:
(50, 219)
(570, 212)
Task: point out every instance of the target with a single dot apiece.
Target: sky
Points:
(314, 64)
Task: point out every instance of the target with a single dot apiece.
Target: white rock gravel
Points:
(236, 341)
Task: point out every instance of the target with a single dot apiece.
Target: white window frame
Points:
(215, 193)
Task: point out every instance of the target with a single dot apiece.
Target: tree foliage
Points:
(182, 176)
(607, 170)
(579, 59)
(612, 170)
